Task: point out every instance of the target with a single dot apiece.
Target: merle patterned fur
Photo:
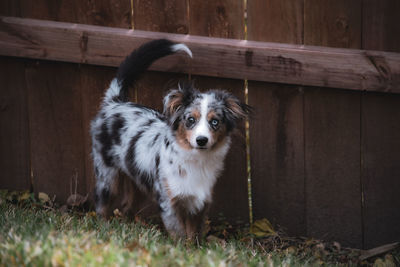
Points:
(174, 157)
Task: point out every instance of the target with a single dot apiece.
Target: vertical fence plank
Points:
(14, 119)
(220, 18)
(276, 131)
(380, 133)
(275, 21)
(332, 131)
(55, 128)
(381, 27)
(161, 16)
(14, 127)
(332, 23)
(332, 157)
(114, 13)
(380, 168)
(59, 142)
(225, 18)
(277, 155)
(54, 119)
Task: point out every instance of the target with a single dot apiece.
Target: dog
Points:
(174, 157)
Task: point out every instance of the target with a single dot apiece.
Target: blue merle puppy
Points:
(174, 157)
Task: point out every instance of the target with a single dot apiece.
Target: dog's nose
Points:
(201, 140)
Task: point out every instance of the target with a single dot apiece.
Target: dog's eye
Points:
(214, 122)
(190, 121)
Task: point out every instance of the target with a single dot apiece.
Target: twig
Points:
(377, 251)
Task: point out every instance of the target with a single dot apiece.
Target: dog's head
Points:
(202, 120)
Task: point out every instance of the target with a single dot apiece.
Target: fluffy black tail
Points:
(141, 59)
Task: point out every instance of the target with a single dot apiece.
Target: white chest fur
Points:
(193, 174)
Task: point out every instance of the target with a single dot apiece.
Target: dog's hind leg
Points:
(132, 197)
(106, 190)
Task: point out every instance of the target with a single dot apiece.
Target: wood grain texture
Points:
(88, 12)
(14, 118)
(380, 133)
(277, 155)
(220, 18)
(224, 19)
(14, 126)
(332, 131)
(332, 165)
(334, 23)
(293, 64)
(275, 21)
(161, 16)
(112, 13)
(56, 129)
(276, 130)
(380, 168)
(154, 85)
(381, 27)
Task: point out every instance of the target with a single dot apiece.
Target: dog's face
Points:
(202, 120)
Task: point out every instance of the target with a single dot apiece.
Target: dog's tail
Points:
(137, 62)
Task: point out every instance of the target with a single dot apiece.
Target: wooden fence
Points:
(325, 162)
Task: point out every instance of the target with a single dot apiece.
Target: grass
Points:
(33, 234)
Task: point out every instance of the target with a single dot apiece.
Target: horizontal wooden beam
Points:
(240, 59)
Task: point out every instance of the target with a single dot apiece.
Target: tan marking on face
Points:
(183, 136)
(219, 136)
(212, 114)
(196, 114)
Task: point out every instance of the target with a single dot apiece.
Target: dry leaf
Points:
(117, 213)
(91, 214)
(43, 197)
(24, 196)
(262, 228)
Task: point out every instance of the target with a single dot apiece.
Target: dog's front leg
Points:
(195, 224)
(172, 220)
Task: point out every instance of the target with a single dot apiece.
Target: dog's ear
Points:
(235, 110)
(172, 102)
(176, 99)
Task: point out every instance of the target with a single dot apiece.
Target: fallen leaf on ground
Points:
(117, 213)
(262, 228)
(24, 196)
(43, 197)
